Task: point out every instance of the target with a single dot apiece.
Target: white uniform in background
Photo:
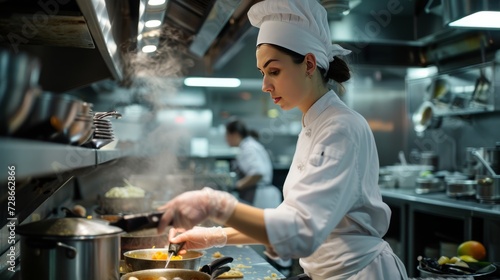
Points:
(333, 216)
(253, 159)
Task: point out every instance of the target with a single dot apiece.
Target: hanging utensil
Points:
(481, 89)
(424, 118)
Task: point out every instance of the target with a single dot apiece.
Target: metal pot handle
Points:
(70, 251)
(219, 271)
(214, 265)
(49, 245)
(477, 155)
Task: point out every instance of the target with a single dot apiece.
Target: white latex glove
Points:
(191, 208)
(199, 237)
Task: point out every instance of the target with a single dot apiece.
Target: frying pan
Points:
(142, 259)
(128, 223)
(142, 239)
(206, 272)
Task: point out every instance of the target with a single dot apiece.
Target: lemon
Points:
(467, 258)
(443, 259)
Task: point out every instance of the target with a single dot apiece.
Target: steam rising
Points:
(152, 77)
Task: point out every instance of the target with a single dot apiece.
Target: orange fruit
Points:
(472, 248)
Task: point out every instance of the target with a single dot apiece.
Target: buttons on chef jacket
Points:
(308, 132)
(300, 166)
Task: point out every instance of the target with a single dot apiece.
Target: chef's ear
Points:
(310, 61)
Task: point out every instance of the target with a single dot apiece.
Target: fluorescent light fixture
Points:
(148, 48)
(153, 23)
(156, 2)
(212, 82)
(483, 19)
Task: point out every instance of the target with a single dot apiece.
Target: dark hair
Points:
(338, 70)
(254, 134)
(237, 126)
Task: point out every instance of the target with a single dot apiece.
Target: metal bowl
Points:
(460, 188)
(141, 239)
(125, 205)
(142, 259)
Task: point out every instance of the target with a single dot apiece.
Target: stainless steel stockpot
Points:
(488, 186)
(69, 248)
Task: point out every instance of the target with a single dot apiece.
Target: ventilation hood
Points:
(84, 41)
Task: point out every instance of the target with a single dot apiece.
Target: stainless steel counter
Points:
(246, 260)
(442, 200)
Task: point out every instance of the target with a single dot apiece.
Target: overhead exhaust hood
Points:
(472, 14)
(413, 33)
(82, 41)
(77, 41)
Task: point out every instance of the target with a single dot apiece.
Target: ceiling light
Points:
(483, 19)
(156, 2)
(149, 49)
(212, 82)
(152, 23)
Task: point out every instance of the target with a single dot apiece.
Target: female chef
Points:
(332, 217)
(253, 166)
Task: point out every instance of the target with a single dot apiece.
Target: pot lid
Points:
(67, 227)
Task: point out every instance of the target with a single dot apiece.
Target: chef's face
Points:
(285, 80)
(233, 139)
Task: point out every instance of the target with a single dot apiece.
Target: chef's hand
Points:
(193, 207)
(198, 237)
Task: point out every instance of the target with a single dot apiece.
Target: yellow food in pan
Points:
(163, 256)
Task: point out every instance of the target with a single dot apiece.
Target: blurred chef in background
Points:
(253, 166)
(255, 171)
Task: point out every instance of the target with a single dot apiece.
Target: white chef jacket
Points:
(253, 159)
(333, 216)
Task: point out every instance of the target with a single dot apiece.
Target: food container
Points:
(387, 181)
(428, 185)
(406, 175)
(460, 188)
(69, 248)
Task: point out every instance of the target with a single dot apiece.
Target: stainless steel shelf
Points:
(36, 158)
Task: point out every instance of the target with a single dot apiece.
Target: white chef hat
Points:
(298, 25)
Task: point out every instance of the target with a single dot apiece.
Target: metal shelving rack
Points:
(36, 158)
